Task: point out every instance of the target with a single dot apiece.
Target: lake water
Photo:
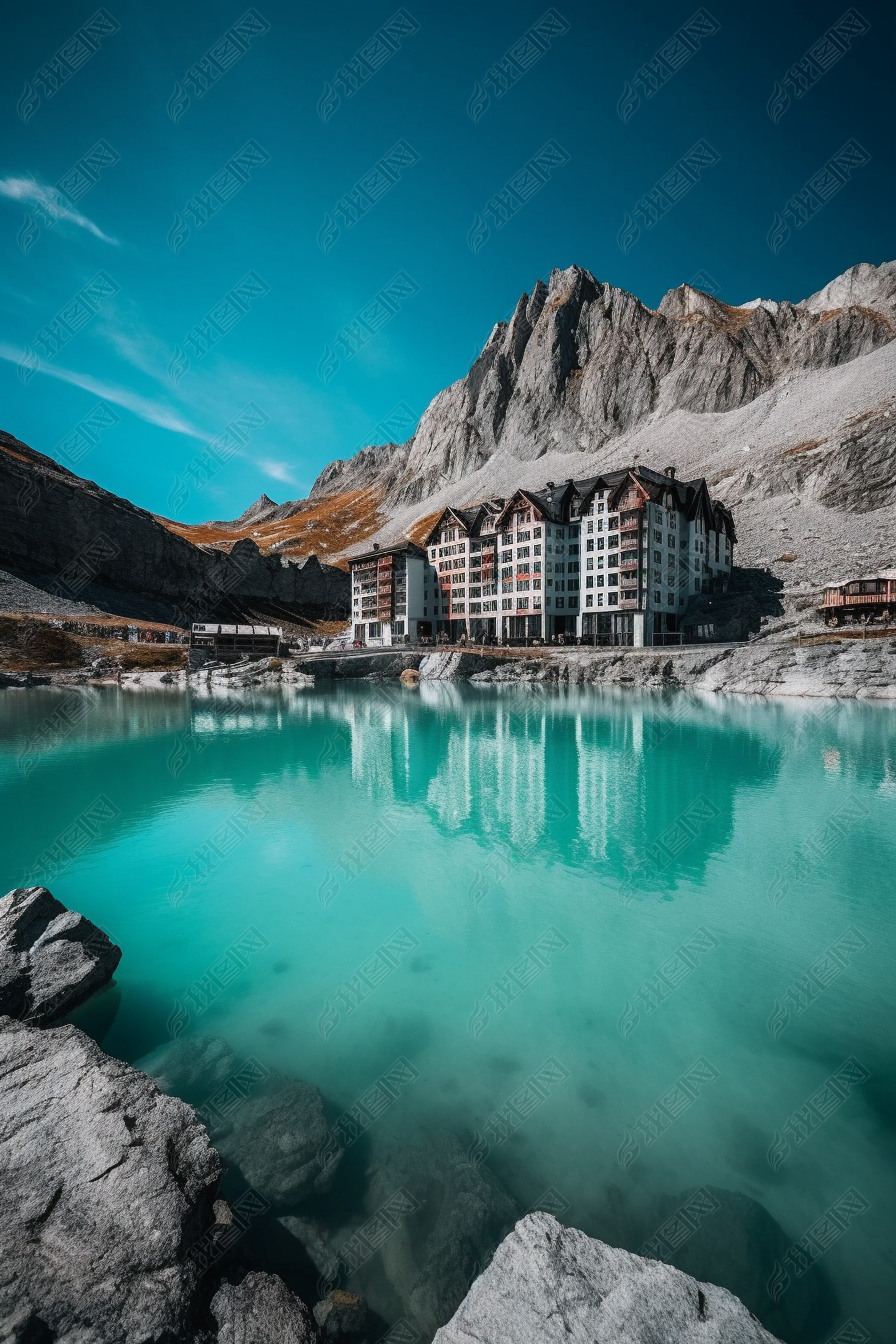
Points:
(627, 947)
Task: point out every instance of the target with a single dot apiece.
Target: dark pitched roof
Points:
(399, 548)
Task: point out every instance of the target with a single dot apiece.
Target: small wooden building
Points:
(870, 598)
(229, 643)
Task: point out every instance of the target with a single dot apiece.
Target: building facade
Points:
(613, 559)
(387, 595)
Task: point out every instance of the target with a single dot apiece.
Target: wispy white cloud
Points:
(29, 192)
(153, 412)
(278, 471)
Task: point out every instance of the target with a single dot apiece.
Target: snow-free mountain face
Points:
(582, 363)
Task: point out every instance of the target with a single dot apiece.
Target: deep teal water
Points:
(675, 914)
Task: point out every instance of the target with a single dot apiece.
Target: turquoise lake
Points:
(627, 946)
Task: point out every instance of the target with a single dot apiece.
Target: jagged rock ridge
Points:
(581, 363)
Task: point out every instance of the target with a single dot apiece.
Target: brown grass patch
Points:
(419, 531)
(27, 644)
(805, 447)
(724, 317)
(324, 527)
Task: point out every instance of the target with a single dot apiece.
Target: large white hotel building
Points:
(615, 557)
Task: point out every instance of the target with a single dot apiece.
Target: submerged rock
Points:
(315, 1240)
(458, 1213)
(51, 958)
(261, 1310)
(193, 1068)
(282, 1142)
(549, 1283)
(738, 1244)
(107, 1185)
(341, 1316)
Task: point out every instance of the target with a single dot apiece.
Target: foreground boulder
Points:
(51, 959)
(107, 1186)
(261, 1310)
(549, 1283)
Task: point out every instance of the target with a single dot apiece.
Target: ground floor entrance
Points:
(521, 627)
(608, 628)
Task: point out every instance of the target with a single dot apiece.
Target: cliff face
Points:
(582, 363)
(71, 536)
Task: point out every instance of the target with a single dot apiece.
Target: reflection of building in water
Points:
(616, 785)
(491, 776)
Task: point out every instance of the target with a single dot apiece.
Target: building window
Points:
(590, 526)
(589, 545)
(560, 601)
(612, 599)
(506, 603)
(523, 604)
(589, 581)
(589, 599)
(536, 532)
(536, 550)
(658, 557)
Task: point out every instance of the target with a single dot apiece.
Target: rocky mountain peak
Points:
(581, 363)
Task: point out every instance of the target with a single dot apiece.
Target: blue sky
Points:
(165, 162)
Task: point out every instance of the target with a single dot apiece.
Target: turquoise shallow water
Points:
(627, 945)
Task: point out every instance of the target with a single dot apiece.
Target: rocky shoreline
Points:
(113, 1229)
(846, 669)
(851, 669)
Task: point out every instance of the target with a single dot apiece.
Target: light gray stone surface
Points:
(51, 958)
(849, 669)
(261, 1310)
(106, 1186)
(548, 1283)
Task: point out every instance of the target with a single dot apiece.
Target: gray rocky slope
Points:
(67, 534)
(788, 409)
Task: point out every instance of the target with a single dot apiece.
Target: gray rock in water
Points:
(315, 1240)
(738, 1243)
(282, 1142)
(462, 1212)
(192, 1069)
(261, 1310)
(51, 958)
(548, 1283)
(340, 1316)
(107, 1185)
